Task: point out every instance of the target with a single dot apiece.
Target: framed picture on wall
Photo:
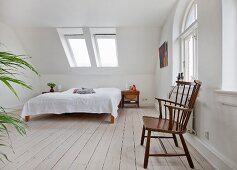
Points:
(163, 54)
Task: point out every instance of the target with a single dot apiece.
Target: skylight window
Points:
(106, 49)
(89, 47)
(79, 51)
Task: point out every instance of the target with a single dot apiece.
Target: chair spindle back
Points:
(183, 95)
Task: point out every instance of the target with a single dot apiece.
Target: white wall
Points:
(137, 51)
(137, 56)
(164, 75)
(11, 43)
(209, 112)
(144, 82)
(225, 126)
(208, 117)
(209, 64)
(229, 34)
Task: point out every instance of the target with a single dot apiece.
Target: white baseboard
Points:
(145, 104)
(215, 158)
(15, 109)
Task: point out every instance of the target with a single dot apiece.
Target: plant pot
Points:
(51, 90)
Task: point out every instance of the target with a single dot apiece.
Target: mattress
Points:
(104, 100)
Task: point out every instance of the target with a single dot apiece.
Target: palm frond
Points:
(6, 80)
(13, 120)
(5, 156)
(16, 60)
(11, 66)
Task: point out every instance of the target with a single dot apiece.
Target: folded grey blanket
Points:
(84, 91)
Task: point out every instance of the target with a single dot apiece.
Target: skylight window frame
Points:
(73, 58)
(87, 33)
(97, 56)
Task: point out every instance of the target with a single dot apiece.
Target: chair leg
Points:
(186, 151)
(143, 135)
(147, 149)
(175, 140)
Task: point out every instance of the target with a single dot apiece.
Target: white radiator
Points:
(190, 126)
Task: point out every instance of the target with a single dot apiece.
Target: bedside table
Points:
(130, 97)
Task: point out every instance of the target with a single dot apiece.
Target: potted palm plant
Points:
(10, 68)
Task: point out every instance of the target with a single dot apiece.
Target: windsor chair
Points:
(173, 119)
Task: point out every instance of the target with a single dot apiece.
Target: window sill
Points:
(227, 98)
(226, 92)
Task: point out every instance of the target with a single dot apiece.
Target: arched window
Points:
(191, 16)
(189, 43)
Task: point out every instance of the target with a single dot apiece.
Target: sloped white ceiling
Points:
(138, 24)
(137, 51)
(76, 13)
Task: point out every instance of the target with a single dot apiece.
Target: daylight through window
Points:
(89, 47)
(79, 51)
(189, 39)
(106, 51)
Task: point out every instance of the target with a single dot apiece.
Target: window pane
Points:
(107, 52)
(190, 57)
(192, 16)
(80, 53)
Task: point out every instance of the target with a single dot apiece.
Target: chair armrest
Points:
(171, 112)
(178, 108)
(169, 101)
(162, 99)
(160, 106)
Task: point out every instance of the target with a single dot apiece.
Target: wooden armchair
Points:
(173, 119)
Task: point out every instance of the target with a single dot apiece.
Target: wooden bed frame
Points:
(27, 118)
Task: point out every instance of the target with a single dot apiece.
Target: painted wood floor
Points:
(88, 141)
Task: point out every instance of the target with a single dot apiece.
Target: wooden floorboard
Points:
(51, 160)
(97, 159)
(88, 141)
(128, 153)
(160, 163)
(113, 156)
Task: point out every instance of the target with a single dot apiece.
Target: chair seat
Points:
(161, 125)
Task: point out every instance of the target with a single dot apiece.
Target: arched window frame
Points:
(189, 33)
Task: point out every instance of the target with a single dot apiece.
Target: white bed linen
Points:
(104, 100)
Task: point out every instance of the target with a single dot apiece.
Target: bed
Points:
(104, 100)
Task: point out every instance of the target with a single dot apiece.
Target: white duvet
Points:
(104, 100)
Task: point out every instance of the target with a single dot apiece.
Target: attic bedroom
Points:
(118, 85)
